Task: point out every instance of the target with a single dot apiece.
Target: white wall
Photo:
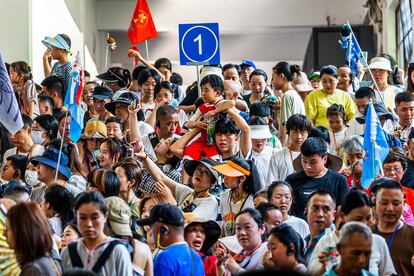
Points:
(15, 30)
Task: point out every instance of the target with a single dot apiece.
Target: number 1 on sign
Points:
(198, 39)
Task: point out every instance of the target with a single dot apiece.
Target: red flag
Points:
(142, 27)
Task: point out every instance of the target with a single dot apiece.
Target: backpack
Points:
(77, 262)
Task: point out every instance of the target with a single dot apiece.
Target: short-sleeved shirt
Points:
(304, 185)
(28, 94)
(281, 165)
(401, 249)
(318, 102)
(63, 71)
(291, 104)
(176, 260)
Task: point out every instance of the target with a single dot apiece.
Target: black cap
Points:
(109, 76)
(102, 93)
(125, 98)
(165, 213)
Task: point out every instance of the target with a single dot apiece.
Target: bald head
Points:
(232, 89)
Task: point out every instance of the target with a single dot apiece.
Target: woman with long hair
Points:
(27, 232)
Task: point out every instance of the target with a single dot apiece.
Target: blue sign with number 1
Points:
(199, 43)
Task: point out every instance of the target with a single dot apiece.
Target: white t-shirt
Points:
(207, 207)
(356, 128)
(262, 161)
(336, 142)
(226, 215)
(299, 225)
(281, 165)
(37, 151)
(380, 262)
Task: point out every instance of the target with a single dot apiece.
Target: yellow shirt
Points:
(318, 102)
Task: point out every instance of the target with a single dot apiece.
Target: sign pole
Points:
(198, 81)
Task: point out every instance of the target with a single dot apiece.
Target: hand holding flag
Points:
(73, 100)
(375, 146)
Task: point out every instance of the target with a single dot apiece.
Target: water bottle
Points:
(332, 252)
(211, 129)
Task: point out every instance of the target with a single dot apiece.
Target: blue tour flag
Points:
(10, 115)
(353, 53)
(375, 146)
(73, 99)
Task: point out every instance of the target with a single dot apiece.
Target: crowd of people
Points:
(243, 172)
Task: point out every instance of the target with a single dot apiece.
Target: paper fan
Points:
(8, 261)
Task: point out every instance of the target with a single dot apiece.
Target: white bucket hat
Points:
(380, 63)
(260, 132)
(301, 83)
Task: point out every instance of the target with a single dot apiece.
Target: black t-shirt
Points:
(304, 185)
(408, 178)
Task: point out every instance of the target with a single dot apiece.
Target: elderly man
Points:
(354, 247)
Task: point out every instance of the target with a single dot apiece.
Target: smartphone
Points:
(129, 152)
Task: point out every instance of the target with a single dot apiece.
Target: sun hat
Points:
(381, 111)
(260, 132)
(301, 83)
(211, 70)
(58, 41)
(164, 213)
(94, 129)
(191, 165)
(211, 229)
(231, 169)
(247, 63)
(126, 98)
(50, 157)
(380, 63)
(119, 215)
(334, 163)
(102, 93)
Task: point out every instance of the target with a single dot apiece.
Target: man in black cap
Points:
(101, 96)
(167, 229)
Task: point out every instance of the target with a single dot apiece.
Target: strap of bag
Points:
(74, 255)
(104, 256)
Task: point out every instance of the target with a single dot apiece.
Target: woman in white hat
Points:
(381, 70)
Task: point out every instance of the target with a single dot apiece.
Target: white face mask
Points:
(31, 178)
(37, 137)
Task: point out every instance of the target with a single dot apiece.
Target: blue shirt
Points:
(331, 272)
(177, 261)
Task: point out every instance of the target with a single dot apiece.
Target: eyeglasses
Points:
(395, 169)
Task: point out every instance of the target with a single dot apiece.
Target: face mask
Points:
(37, 137)
(31, 178)
(174, 103)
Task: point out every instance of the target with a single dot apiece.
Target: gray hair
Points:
(350, 228)
(236, 87)
(353, 144)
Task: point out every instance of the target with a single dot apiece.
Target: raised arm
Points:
(135, 134)
(178, 147)
(245, 140)
(136, 54)
(47, 63)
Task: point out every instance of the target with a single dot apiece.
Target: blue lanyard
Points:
(392, 236)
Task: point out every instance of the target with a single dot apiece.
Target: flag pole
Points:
(198, 81)
(107, 52)
(61, 145)
(366, 62)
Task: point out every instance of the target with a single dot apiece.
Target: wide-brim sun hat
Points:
(381, 111)
(94, 130)
(334, 163)
(301, 83)
(211, 228)
(109, 76)
(380, 63)
(50, 157)
(191, 165)
(260, 132)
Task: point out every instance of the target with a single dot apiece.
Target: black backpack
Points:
(77, 262)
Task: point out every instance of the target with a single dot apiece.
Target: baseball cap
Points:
(119, 216)
(314, 74)
(126, 98)
(165, 213)
(380, 63)
(102, 93)
(109, 76)
(247, 63)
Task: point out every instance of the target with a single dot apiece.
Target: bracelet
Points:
(146, 156)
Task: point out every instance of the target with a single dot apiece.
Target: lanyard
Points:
(29, 154)
(334, 140)
(242, 256)
(243, 200)
(392, 235)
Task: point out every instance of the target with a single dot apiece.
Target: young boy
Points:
(212, 95)
(164, 95)
(58, 49)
